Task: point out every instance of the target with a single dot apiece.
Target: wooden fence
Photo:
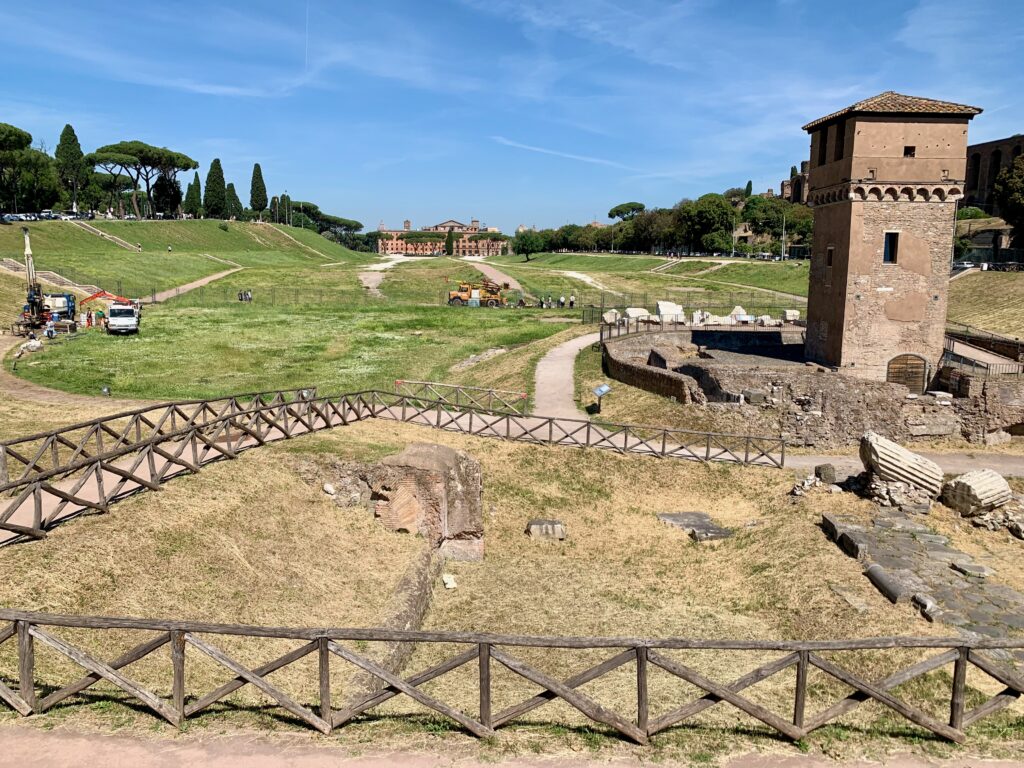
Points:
(458, 395)
(484, 651)
(54, 476)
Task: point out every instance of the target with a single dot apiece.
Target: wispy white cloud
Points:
(565, 155)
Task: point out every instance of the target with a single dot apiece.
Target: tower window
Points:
(892, 247)
(909, 151)
(829, 253)
(840, 141)
(823, 146)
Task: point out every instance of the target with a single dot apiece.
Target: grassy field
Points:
(205, 351)
(584, 262)
(989, 300)
(233, 543)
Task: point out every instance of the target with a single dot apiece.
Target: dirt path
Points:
(64, 748)
(170, 293)
(554, 386)
(371, 282)
(495, 274)
(1005, 464)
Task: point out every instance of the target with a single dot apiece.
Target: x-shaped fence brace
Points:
(84, 468)
(27, 629)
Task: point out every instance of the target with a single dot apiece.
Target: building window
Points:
(829, 253)
(892, 248)
(909, 151)
(823, 146)
(840, 141)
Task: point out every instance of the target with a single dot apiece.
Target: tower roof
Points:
(892, 103)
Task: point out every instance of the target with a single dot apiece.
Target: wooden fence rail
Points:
(52, 477)
(459, 395)
(484, 650)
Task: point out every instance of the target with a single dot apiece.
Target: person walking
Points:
(561, 301)
(572, 301)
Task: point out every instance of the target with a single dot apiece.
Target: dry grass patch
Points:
(249, 542)
(989, 300)
(245, 542)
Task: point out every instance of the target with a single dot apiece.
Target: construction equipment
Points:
(42, 308)
(122, 316)
(485, 294)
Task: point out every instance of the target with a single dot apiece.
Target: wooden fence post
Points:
(324, 655)
(485, 685)
(26, 664)
(800, 701)
(641, 689)
(178, 666)
(956, 703)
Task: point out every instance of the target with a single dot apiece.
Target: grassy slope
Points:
(65, 248)
(989, 300)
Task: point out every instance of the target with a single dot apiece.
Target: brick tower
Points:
(885, 176)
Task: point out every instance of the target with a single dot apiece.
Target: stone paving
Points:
(909, 562)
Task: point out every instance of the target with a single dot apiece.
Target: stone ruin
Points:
(426, 489)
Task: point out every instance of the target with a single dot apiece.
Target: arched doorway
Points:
(909, 370)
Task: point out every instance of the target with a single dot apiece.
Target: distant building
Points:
(470, 239)
(885, 178)
(984, 161)
(794, 189)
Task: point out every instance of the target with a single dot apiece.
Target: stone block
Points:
(977, 491)
(997, 437)
(697, 525)
(753, 396)
(826, 473)
(973, 570)
(611, 317)
(634, 313)
(553, 530)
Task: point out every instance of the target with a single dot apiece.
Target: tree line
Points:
(139, 179)
(702, 225)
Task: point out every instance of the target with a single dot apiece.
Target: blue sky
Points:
(538, 112)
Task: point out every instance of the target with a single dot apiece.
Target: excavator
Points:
(40, 308)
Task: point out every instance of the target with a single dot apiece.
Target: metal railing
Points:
(977, 368)
(628, 326)
(680, 659)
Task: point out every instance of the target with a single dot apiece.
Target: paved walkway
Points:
(64, 748)
(554, 386)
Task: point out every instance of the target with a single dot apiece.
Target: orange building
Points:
(470, 239)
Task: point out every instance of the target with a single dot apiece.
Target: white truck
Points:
(123, 318)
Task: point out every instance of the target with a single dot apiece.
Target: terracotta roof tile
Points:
(891, 102)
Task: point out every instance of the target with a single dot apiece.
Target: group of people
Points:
(245, 295)
(549, 303)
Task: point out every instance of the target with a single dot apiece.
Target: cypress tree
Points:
(193, 204)
(71, 167)
(749, 189)
(257, 192)
(274, 205)
(449, 242)
(215, 199)
(234, 205)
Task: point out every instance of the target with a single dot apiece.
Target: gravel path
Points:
(495, 274)
(170, 293)
(554, 385)
(64, 748)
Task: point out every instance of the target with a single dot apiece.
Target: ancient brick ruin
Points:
(431, 490)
